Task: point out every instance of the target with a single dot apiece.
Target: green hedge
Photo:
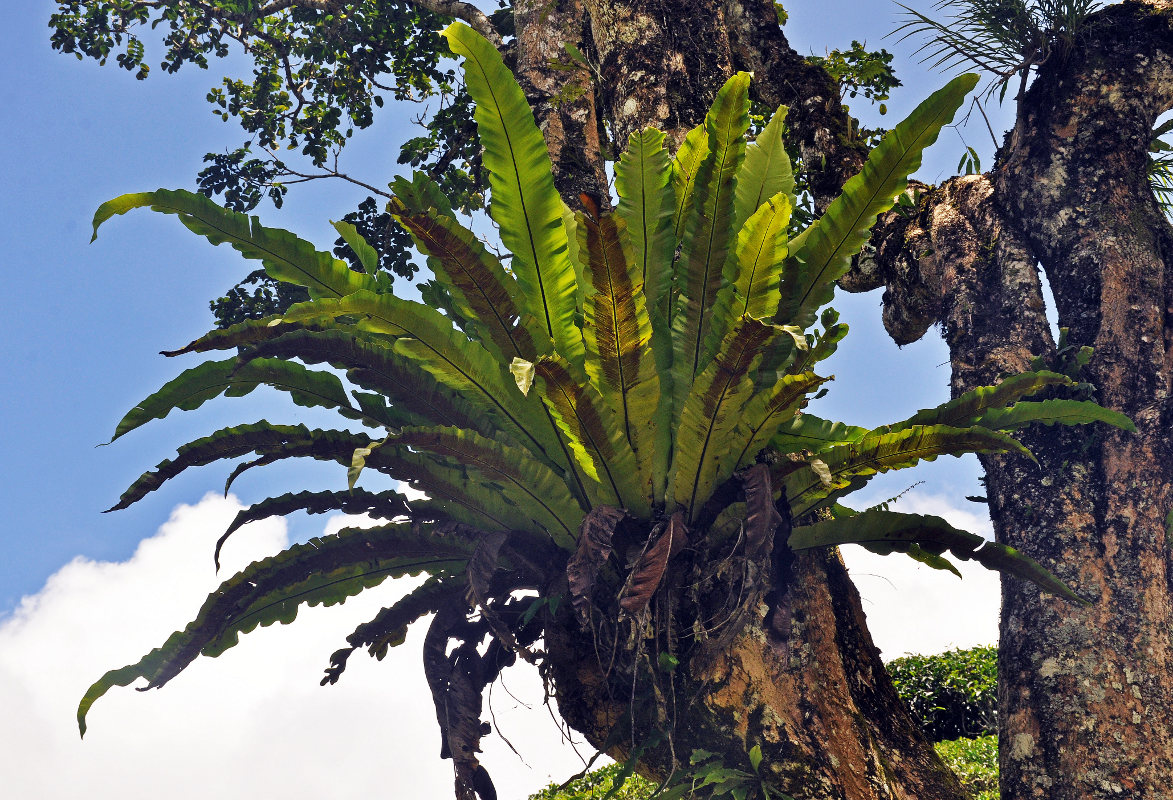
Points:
(595, 784)
(952, 694)
(976, 763)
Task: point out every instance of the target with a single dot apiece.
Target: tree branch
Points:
(466, 12)
(830, 153)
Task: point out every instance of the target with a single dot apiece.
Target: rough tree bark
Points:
(1085, 694)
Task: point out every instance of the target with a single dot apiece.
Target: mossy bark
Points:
(1085, 693)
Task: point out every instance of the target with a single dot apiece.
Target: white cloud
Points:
(912, 608)
(253, 722)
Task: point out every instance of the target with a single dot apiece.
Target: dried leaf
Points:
(761, 516)
(650, 569)
(483, 564)
(594, 546)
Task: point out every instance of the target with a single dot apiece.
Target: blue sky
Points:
(84, 326)
(83, 334)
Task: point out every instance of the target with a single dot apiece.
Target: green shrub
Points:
(595, 784)
(953, 694)
(976, 763)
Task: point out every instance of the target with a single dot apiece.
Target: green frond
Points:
(527, 483)
(386, 505)
(367, 255)
(969, 408)
(233, 378)
(428, 337)
(389, 627)
(814, 434)
(822, 253)
(890, 531)
(324, 571)
(484, 293)
(524, 202)
(712, 411)
(247, 333)
(685, 167)
(284, 256)
(597, 440)
(708, 232)
(766, 413)
(272, 441)
(851, 465)
(413, 396)
(455, 493)
(766, 171)
(643, 180)
(751, 276)
(617, 335)
(1051, 412)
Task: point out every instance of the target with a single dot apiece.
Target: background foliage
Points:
(953, 694)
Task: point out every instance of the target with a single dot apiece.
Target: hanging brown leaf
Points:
(456, 683)
(761, 516)
(483, 564)
(481, 568)
(594, 546)
(464, 720)
(649, 570)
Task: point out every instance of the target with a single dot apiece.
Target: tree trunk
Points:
(1085, 698)
(797, 675)
(800, 679)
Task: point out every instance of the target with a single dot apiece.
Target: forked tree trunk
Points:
(1085, 699)
(799, 676)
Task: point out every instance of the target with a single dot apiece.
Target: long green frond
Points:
(643, 180)
(814, 434)
(284, 256)
(751, 276)
(454, 492)
(324, 571)
(766, 171)
(525, 203)
(767, 412)
(850, 465)
(617, 334)
(411, 394)
(389, 627)
(597, 441)
(528, 483)
(891, 531)
(709, 232)
(968, 408)
(482, 290)
(232, 378)
(462, 365)
(387, 505)
(263, 438)
(1051, 412)
(711, 412)
(822, 253)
